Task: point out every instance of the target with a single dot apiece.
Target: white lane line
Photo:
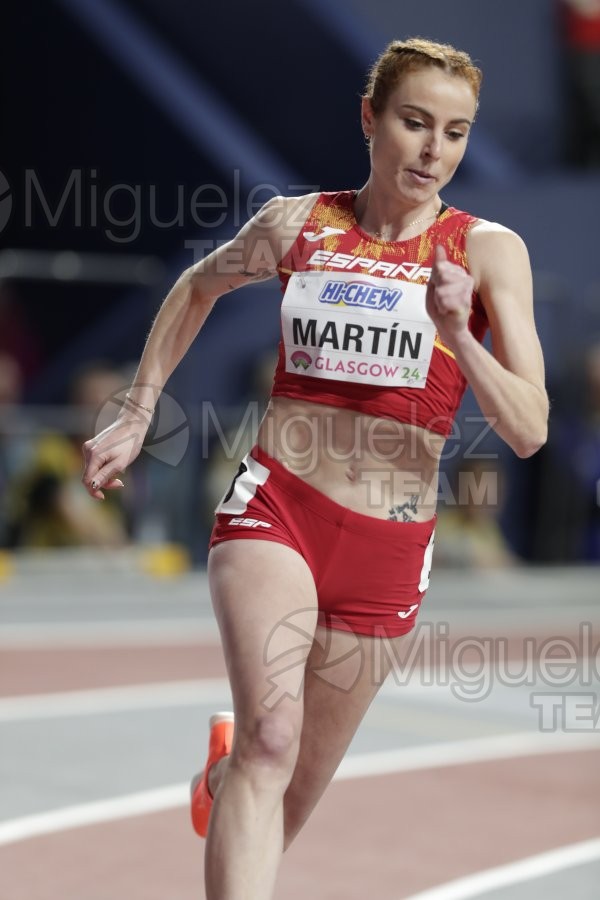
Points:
(185, 692)
(514, 873)
(354, 766)
(112, 700)
(157, 695)
(458, 753)
(94, 813)
(155, 632)
(196, 628)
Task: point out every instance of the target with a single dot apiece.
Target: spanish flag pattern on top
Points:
(354, 329)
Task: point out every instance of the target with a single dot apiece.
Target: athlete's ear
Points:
(367, 117)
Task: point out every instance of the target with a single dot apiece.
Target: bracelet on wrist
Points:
(147, 409)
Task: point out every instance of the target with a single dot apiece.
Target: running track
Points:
(106, 684)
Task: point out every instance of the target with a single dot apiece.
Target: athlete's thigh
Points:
(265, 603)
(343, 674)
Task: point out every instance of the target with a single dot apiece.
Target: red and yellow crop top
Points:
(354, 331)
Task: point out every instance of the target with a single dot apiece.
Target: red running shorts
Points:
(370, 574)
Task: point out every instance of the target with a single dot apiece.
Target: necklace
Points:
(434, 215)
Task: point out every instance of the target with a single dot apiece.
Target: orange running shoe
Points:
(219, 745)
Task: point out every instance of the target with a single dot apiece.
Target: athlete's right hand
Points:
(111, 451)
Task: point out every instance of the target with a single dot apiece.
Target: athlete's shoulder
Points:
(485, 235)
(483, 226)
(318, 203)
(496, 253)
(278, 220)
(282, 209)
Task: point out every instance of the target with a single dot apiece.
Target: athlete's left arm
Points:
(508, 383)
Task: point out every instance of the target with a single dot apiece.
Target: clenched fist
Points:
(448, 297)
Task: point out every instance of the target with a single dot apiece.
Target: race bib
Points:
(355, 327)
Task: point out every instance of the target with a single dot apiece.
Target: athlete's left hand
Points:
(448, 298)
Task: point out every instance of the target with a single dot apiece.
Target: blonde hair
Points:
(400, 57)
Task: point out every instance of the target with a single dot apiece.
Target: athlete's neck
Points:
(384, 219)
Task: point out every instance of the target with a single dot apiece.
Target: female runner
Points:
(323, 543)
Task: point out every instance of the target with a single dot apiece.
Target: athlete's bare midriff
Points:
(375, 466)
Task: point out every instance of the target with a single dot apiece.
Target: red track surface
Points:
(384, 836)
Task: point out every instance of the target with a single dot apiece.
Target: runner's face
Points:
(421, 136)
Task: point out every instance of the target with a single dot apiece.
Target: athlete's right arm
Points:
(251, 256)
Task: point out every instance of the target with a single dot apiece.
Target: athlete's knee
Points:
(275, 739)
(271, 741)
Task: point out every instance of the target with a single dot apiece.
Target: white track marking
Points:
(354, 766)
(155, 632)
(96, 701)
(186, 692)
(514, 873)
(458, 753)
(94, 813)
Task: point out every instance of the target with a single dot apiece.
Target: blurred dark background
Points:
(137, 134)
